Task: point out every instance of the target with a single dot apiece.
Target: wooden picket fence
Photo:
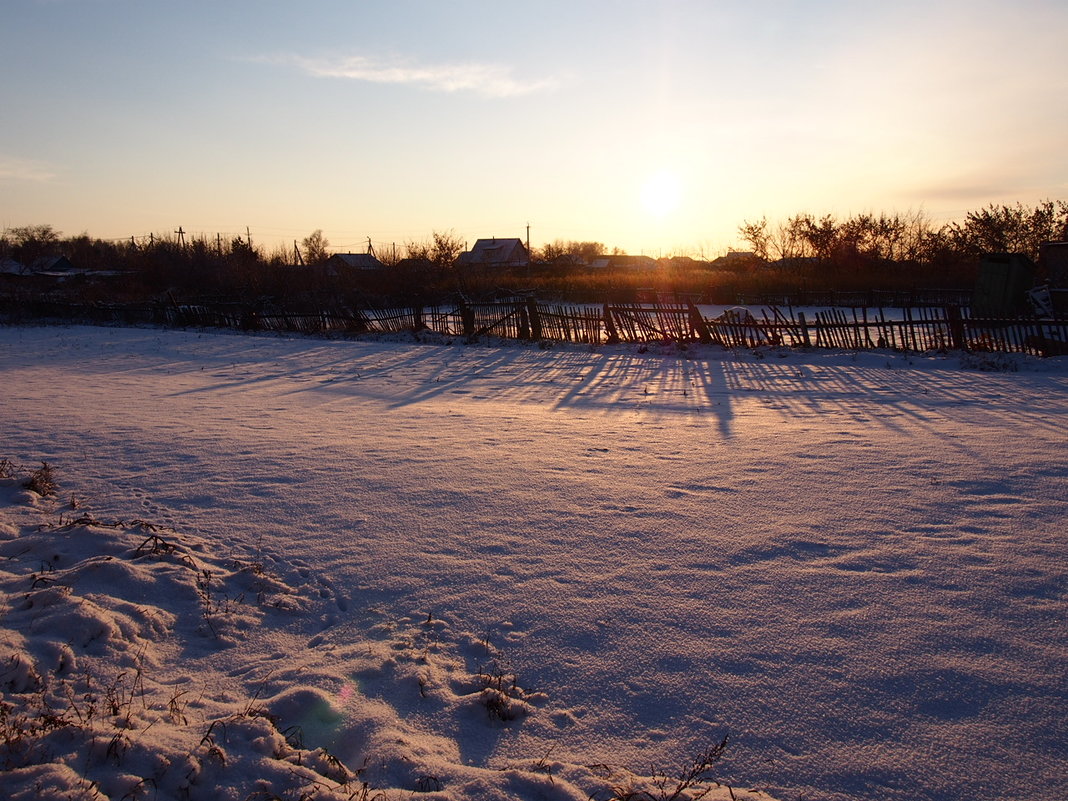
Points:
(923, 329)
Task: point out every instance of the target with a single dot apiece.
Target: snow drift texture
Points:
(288, 567)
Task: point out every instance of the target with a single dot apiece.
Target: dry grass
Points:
(42, 480)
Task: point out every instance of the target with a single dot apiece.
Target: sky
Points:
(654, 127)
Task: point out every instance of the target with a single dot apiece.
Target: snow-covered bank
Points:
(118, 682)
(852, 564)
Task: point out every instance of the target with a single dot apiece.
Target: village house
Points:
(57, 267)
(496, 253)
(624, 263)
(12, 267)
(54, 267)
(340, 263)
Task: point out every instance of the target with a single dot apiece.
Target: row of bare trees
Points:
(865, 251)
(865, 238)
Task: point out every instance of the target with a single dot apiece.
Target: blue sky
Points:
(656, 127)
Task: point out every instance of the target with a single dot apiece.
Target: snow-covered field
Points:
(285, 567)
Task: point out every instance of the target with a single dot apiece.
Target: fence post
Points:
(698, 324)
(610, 326)
(467, 317)
(535, 320)
(804, 329)
(523, 329)
(956, 328)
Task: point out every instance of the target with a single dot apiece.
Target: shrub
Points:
(42, 480)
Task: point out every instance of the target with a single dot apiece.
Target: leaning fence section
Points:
(923, 330)
(920, 329)
(579, 324)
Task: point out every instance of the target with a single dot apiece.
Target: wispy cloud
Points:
(490, 80)
(1028, 178)
(24, 170)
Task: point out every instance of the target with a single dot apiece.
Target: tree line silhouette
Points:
(886, 251)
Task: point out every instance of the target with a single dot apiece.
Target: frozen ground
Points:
(853, 564)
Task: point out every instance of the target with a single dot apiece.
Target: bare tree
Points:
(447, 248)
(1013, 229)
(443, 249)
(30, 242)
(314, 246)
(756, 234)
(584, 251)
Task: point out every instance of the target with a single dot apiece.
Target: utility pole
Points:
(218, 243)
(529, 257)
(181, 236)
(297, 258)
(370, 247)
(248, 236)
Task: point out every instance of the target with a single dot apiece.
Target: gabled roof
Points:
(357, 261)
(569, 260)
(624, 262)
(510, 251)
(56, 266)
(11, 267)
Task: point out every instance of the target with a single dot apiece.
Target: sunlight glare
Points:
(661, 193)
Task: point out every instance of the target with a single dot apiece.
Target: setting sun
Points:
(661, 193)
(654, 143)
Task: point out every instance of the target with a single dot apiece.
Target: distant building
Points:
(54, 266)
(625, 263)
(569, 260)
(12, 267)
(682, 263)
(496, 253)
(341, 262)
(737, 260)
(744, 256)
(1053, 259)
(1002, 285)
(1053, 264)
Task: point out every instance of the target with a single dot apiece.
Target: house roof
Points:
(496, 251)
(55, 267)
(624, 262)
(358, 261)
(53, 264)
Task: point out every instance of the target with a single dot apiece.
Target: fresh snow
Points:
(310, 568)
